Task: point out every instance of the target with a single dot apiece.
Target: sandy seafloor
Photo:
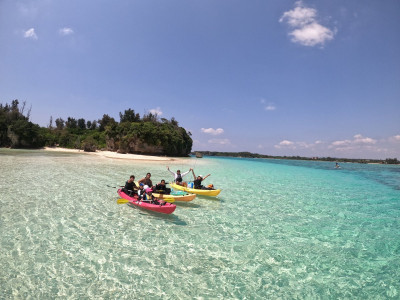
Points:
(278, 230)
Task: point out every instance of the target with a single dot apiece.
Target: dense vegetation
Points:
(333, 159)
(133, 134)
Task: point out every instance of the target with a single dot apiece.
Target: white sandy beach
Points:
(115, 155)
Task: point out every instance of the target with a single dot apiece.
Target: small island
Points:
(393, 161)
(146, 135)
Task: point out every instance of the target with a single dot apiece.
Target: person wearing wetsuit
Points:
(162, 188)
(130, 186)
(198, 180)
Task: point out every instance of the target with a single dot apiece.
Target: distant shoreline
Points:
(392, 161)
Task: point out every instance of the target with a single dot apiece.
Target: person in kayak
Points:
(149, 197)
(140, 191)
(178, 176)
(130, 187)
(198, 180)
(162, 188)
(146, 180)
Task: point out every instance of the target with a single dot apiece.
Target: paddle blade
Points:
(168, 199)
(122, 201)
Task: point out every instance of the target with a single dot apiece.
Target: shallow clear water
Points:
(279, 230)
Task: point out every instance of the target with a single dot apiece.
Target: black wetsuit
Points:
(197, 184)
(129, 188)
(162, 189)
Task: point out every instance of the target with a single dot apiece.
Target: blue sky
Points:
(309, 78)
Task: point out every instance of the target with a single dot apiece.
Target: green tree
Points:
(129, 116)
(105, 121)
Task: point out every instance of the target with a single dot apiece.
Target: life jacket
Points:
(178, 178)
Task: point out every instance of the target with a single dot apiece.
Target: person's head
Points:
(162, 182)
(149, 190)
(141, 185)
(148, 175)
(178, 171)
(132, 178)
(200, 177)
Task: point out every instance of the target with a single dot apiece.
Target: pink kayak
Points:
(167, 208)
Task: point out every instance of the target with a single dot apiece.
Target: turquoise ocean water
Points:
(279, 230)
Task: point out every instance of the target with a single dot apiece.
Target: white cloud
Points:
(311, 35)
(341, 143)
(30, 34)
(65, 31)
(156, 111)
(268, 106)
(299, 16)
(359, 139)
(395, 138)
(358, 146)
(212, 131)
(220, 141)
(306, 29)
(285, 144)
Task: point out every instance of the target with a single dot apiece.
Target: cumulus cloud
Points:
(395, 138)
(212, 131)
(156, 111)
(30, 34)
(306, 30)
(358, 146)
(358, 140)
(65, 31)
(268, 106)
(220, 141)
(285, 144)
(299, 16)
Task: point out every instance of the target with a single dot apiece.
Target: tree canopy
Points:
(133, 134)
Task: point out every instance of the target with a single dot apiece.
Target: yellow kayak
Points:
(195, 191)
(185, 198)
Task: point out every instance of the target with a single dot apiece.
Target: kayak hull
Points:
(211, 193)
(182, 198)
(167, 208)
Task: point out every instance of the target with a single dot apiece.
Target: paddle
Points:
(167, 199)
(124, 201)
(114, 187)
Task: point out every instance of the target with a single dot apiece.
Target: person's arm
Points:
(173, 173)
(206, 176)
(142, 180)
(183, 174)
(170, 171)
(194, 176)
